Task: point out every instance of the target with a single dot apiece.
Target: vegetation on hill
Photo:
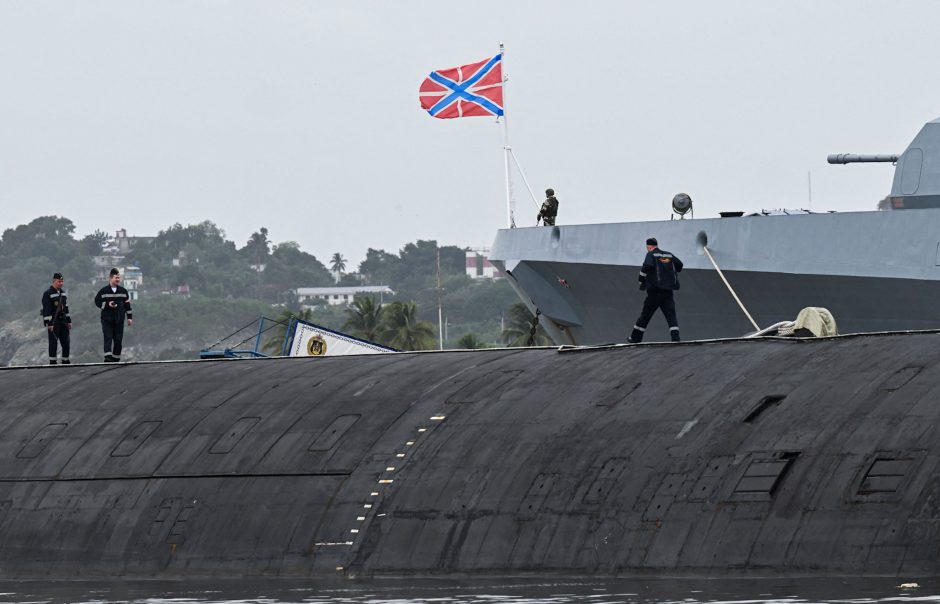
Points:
(199, 286)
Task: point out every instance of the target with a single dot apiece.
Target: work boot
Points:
(674, 333)
(109, 359)
(636, 336)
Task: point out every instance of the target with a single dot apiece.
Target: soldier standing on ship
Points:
(549, 209)
(659, 276)
(55, 316)
(115, 305)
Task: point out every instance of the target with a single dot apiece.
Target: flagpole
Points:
(507, 150)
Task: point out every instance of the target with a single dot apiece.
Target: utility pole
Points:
(440, 308)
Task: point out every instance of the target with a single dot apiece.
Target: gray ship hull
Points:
(875, 271)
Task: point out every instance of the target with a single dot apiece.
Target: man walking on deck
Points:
(115, 305)
(659, 276)
(55, 316)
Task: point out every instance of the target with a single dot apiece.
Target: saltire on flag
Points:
(468, 90)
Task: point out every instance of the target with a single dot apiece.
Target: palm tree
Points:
(338, 265)
(469, 341)
(275, 341)
(363, 318)
(401, 329)
(518, 331)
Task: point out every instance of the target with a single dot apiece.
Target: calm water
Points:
(477, 591)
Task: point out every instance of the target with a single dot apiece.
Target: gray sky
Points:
(303, 116)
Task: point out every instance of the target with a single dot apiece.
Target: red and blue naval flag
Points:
(475, 89)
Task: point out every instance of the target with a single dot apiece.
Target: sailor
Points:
(115, 305)
(659, 276)
(55, 316)
(549, 209)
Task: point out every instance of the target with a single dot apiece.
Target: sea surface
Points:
(481, 591)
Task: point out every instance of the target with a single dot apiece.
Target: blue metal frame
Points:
(255, 353)
(288, 336)
(235, 353)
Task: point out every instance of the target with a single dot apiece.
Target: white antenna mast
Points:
(507, 152)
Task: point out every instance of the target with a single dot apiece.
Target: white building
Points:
(341, 295)
(104, 263)
(478, 265)
(131, 278)
(125, 244)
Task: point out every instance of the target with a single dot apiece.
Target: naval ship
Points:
(875, 270)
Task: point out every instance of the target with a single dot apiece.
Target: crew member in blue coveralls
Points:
(659, 276)
(115, 305)
(55, 316)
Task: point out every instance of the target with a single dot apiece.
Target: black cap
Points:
(652, 241)
(114, 271)
(56, 275)
(549, 192)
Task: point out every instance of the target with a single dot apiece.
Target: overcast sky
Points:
(303, 116)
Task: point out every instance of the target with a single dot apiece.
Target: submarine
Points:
(721, 458)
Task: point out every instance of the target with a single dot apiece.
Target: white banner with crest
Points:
(314, 341)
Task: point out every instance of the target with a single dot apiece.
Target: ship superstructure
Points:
(874, 270)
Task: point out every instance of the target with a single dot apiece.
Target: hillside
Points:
(198, 287)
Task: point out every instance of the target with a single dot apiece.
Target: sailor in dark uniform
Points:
(55, 316)
(659, 276)
(549, 209)
(115, 305)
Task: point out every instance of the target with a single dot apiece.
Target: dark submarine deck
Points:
(737, 457)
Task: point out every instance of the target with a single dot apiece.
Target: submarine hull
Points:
(733, 457)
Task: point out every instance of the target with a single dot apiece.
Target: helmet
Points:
(549, 192)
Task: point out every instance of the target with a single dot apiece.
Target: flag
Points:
(475, 89)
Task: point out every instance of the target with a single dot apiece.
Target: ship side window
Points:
(910, 171)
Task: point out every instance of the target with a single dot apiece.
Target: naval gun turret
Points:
(916, 182)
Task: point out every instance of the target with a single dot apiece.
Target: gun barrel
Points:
(850, 158)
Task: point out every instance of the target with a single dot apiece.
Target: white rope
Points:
(730, 289)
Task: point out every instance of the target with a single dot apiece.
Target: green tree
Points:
(518, 330)
(349, 280)
(289, 267)
(46, 236)
(258, 247)
(470, 341)
(400, 328)
(337, 265)
(93, 243)
(364, 318)
(378, 267)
